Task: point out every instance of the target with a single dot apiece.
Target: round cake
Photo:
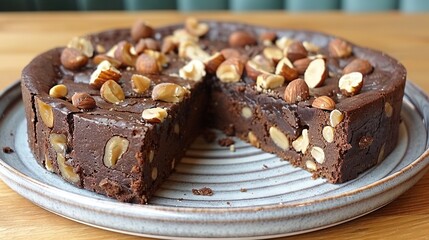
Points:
(113, 112)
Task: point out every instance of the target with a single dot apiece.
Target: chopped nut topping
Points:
(58, 91)
(112, 92)
(358, 65)
(193, 71)
(339, 48)
(83, 45)
(73, 59)
(140, 83)
(259, 65)
(191, 50)
(141, 30)
(230, 70)
(196, 28)
(161, 58)
(169, 92)
(351, 83)
(296, 91)
(241, 39)
(284, 42)
(124, 53)
(284, 69)
(154, 115)
(83, 100)
(104, 72)
(311, 47)
(253, 140)
(273, 53)
(316, 73)
(213, 62)
(269, 81)
(324, 102)
(147, 64)
(295, 51)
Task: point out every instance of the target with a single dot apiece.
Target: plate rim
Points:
(140, 208)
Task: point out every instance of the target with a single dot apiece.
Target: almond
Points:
(147, 64)
(82, 44)
(123, 53)
(316, 73)
(73, 59)
(169, 92)
(269, 81)
(283, 68)
(339, 48)
(103, 57)
(193, 71)
(112, 92)
(324, 102)
(230, 53)
(358, 65)
(58, 91)
(301, 65)
(241, 39)
(140, 83)
(296, 91)
(283, 42)
(295, 51)
(104, 72)
(351, 83)
(267, 38)
(230, 70)
(141, 30)
(273, 53)
(259, 65)
(168, 45)
(213, 62)
(196, 28)
(146, 43)
(83, 100)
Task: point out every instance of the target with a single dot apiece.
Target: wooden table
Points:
(406, 37)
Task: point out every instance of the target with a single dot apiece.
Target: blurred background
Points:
(408, 6)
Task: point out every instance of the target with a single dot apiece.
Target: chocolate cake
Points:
(113, 112)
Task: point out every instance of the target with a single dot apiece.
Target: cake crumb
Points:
(209, 136)
(8, 150)
(232, 148)
(264, 166)
(243, 190)
(226, 142)
(229, 130)
(205, 191)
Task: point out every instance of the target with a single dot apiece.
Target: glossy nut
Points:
(73, 59)
(296, 91)
(114, 149)
(154, 115)
(112, 92)
(58, 91)
(140, 83)
(269, 81)
(169, 92)
(83, 100)
(194, 71)
(324, 102)
(335, 117)
(82, 44)
(318, 154)
(105, 71)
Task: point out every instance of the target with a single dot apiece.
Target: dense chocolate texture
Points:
(365, 136)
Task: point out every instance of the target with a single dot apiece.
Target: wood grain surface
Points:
(405, 37)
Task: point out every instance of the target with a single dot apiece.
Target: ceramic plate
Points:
(256, 195)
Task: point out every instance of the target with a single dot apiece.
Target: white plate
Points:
(256, 195)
